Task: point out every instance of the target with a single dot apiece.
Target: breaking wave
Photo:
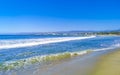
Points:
(39, 59)
(48, 58)
(5, 44)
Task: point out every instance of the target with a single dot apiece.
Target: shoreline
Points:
(89, 64)
(80, 65)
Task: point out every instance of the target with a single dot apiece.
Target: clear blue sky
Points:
(58, 15)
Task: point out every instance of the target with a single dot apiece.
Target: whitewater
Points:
(5, 44)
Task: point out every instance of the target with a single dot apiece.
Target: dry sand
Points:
(108, 64)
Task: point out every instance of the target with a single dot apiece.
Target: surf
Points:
(6, 44)
(50, 58)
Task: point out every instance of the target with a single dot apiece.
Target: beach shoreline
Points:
(88, 64)
(85, 65)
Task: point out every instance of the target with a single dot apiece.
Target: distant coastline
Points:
(69, 33)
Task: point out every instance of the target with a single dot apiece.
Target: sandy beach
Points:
(108, 64)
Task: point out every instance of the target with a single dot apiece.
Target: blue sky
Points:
(58, 15)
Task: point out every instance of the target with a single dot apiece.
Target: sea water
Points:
(19, 50)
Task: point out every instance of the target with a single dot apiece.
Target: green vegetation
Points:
(109, 33)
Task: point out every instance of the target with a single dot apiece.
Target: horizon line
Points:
(60, 31)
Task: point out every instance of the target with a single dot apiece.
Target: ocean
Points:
(17, 51)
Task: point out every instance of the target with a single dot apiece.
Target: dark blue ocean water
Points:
(16, 47)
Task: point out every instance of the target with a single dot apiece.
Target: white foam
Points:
(5, 44)
(109, 48)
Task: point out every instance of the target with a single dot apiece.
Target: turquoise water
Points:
(23, 47)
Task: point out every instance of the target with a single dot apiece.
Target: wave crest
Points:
(5, 44)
